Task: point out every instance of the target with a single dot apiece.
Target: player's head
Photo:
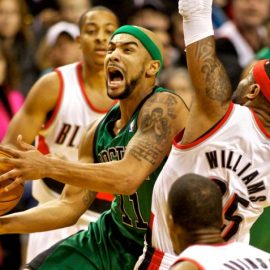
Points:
(194, 209)
(134, 58)
(96, 26)
(255, 87)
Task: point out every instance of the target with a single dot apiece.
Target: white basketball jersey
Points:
(235, 154)
(74, 111)
(61, 134)
(227, 256)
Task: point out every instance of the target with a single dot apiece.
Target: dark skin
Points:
(210, 103)
(213, 91)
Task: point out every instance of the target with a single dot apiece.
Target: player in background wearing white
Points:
(194, 218)
(224, 141)
(57, 110)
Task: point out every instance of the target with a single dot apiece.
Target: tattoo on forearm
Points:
(145, 150)
(215, 78)
(156, 128)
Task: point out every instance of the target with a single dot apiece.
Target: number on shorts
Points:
(140, 223)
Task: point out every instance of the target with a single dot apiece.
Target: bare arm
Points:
(212, 87)
(58, 213)
(51, 215)
(28, 120)
(145, 151)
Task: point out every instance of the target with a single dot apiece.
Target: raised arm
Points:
(211, 83)
(162, 116)
(58, 213)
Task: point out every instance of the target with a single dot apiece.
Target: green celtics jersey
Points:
(131, 213)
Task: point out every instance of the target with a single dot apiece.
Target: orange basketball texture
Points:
(8, 200)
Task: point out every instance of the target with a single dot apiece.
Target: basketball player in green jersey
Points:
(127, 150)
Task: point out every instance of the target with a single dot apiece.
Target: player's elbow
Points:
(130, 183)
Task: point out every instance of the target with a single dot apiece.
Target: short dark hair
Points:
(96, 8)
(195, 202)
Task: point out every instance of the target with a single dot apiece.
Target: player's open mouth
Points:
(115, 77)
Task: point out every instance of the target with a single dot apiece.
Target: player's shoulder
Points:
(171, 97)
(45, 92)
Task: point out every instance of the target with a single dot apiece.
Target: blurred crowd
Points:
(39, 35)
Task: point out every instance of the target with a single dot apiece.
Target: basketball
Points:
(8, 200)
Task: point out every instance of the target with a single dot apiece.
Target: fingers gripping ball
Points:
(9, 199)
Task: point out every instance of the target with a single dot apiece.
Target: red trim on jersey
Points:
(261, 77)
(184, 259)
(105, 196)
(57, 106)
(42, 145)
(151, 221)
(206, 136)
(156, 260)
(88, 101)
(260, 125)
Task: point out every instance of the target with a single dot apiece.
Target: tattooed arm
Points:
(161, 117)
(208, 75)
(212, 88)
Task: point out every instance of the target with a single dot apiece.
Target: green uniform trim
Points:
(115, 240)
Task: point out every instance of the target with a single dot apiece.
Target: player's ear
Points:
(152, 68)
(253, 91)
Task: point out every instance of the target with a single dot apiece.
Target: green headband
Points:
(146, 41)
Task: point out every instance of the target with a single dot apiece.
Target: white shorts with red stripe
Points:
(153, 259)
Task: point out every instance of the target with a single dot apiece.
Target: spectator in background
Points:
(178, 80)
(178, 38)
(56, 11)
(17, 38)
(71, 10)
(240, 33)
(36, 7)
(246, 30)
(10, 102)
(59, 47)
(264, 53)
(170, 53)
(151, 17)
(10, 99)
(126, 9)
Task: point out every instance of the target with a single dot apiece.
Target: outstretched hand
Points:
(26, 163)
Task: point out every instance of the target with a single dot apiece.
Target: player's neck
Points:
(94, 78)
(207, 236)
(264, 117)
(129, 105)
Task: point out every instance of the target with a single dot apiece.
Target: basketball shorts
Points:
(153, 259)
(101, 247)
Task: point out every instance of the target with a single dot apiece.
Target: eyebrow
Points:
(95, 24)
(125, 43)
